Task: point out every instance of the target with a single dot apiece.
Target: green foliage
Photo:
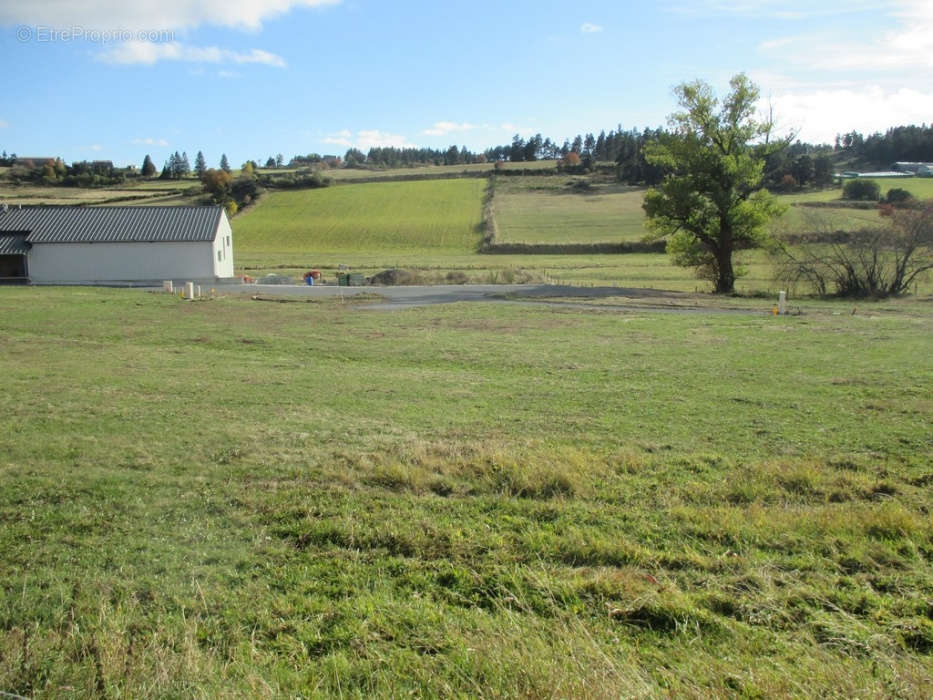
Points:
(216, 182)
(717, 153)
(860, 189)
(200, 165)
(898, 195)
(149, 168)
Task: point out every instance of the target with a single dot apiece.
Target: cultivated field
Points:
(553, 210)
(431, 227)
(438, 217)
(237, 498)
(557, 210)
(131, 193)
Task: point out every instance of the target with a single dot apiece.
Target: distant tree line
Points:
(899, 143)
(316, 160)
(799, 165)
(54, 172)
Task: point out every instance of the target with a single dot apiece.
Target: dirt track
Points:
(393, 298)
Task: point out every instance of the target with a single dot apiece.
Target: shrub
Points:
(898, 195)
(861, 189)
(788, 183)
(878, 262)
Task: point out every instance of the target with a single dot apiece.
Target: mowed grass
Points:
(549, 210)
(919, 187)
(237, 498)
(423, 217)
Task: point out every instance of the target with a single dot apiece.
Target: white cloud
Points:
(147, 52)
(3, 124)
(110, 15)
(907, 45)
(589, 28)
(444, 128)
(150, 142)
(368, 138)
(818, 115)
(341, 138)
(93, 147)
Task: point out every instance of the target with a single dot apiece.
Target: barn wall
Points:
(223, 263)
(102, 262)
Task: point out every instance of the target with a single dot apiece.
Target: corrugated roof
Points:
(12, 244)
(112, 224)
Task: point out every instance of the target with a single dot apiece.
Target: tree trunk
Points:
(725, 280)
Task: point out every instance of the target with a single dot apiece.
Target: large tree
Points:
(149, 168)
(713, 203)
(200, 165)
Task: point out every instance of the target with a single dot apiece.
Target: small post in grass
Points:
(189, 291)
(782, 303)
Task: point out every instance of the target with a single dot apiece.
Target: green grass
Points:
(394, 218)
(234, 498)
(548, 210)
(145, 192)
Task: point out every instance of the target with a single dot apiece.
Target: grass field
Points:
(235, 498)
(131, 193)
(437, 217)
(549, 210)
(430, 227)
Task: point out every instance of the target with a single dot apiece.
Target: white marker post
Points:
(782, 303)
(167, 286)
(189, 291)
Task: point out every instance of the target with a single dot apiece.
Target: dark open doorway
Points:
(12, 269)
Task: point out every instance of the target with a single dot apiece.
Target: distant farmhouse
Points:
(922, 169)
(86, 245)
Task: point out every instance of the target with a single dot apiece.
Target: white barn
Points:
(86, 245)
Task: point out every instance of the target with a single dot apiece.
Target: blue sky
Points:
(118, 79)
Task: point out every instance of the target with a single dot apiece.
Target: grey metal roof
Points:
(112, 224)
(13, 244)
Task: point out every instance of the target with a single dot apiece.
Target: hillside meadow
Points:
(434, 228)
(570, 210)
(233, 498)
(438, 217)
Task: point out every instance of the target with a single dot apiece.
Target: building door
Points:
(12, 269)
